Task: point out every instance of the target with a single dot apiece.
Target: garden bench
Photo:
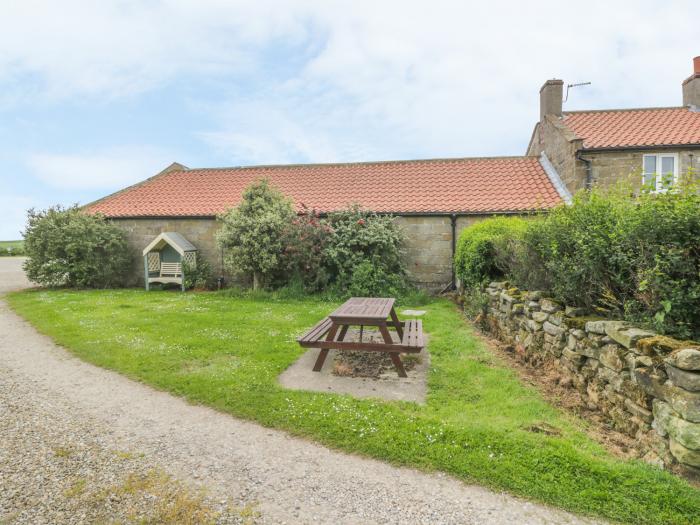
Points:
(365, 311)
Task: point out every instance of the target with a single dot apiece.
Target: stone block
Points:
(684, 455)
(685, 359)
(540, 317)
(552, 329)
(596, 327)
(638, 411)
(687, 404)
(556, 318)
(572, 356)
(589, 351)
(549, 306)
(684, 378)
(613, 356)
(578, 333)
(651, 382)
(625, 335)
(533, 325)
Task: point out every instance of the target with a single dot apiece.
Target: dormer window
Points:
(660, 171)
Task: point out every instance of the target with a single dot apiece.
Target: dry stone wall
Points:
(647, 385)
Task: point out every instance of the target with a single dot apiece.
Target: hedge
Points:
(636, 258)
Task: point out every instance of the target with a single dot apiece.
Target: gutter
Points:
(453, 221)
(642, 148)
(589, 169)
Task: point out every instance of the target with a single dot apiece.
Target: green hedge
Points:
(636, 258)
(482, 250)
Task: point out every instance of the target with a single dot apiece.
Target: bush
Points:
(198, 275)
(303, 258)
(66, 247)
(252, 233)
(483, 250)
(360, 239)
(632, 258)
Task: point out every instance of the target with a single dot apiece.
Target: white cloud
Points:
(102, 170)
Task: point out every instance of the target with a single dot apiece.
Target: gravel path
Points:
(68, 427)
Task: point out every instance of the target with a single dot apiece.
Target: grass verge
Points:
(226, 351)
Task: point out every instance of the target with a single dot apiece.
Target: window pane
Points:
(649, 164)
(667, 171)
(649, 174)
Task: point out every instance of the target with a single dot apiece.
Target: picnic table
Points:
(378, 312)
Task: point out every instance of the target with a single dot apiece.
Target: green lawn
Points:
(4, 245)
(226, 350)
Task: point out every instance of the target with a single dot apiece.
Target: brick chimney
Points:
(551, 94)
(691, 86)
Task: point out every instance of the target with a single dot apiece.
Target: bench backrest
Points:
(170, 268)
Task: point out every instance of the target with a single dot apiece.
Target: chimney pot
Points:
(551, 98)
(691, 86)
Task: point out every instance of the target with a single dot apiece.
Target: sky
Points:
(95, 96)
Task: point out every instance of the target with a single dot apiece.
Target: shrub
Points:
(660, 250)
(303, 258)
(198, 275)
(636, 258)
(252, 233)
(66, 247)
(483, 250)
(371, 280)
(358, 237)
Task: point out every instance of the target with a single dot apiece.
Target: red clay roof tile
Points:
(478, 185)
(635, 127)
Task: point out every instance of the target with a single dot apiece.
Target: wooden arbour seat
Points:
(170, 272)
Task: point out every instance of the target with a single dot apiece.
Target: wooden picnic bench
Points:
(330, 332)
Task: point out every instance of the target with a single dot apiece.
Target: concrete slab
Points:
(412, 313)
(389, 386)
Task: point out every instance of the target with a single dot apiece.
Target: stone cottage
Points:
(432, 199)
(653, 146)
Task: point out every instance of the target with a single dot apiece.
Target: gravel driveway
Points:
(68, 428)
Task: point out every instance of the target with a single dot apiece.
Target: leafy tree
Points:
(252, 233)
(67, 247)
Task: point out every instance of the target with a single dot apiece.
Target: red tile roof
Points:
(478, 185)
(635, 127)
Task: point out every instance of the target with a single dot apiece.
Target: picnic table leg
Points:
(394, 355)
(397, 323)
(324, 351)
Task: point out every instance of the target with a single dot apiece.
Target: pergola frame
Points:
(168, 271)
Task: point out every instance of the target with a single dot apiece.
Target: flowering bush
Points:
(67, 247)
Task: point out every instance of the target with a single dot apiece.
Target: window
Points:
(660, 171)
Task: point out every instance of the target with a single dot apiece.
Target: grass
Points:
(12, 244)
(226, 351)
(8, 247)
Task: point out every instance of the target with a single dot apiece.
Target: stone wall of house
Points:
(560, 145)
(429, 244)
(609, 167)
(429, 247)
(140, 232)
(648, 386)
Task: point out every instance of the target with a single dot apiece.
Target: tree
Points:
(67, 247)
(251, 233)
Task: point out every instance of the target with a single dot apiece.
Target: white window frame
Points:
(658, 178)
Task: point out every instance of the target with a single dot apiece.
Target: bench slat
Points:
(317, 331)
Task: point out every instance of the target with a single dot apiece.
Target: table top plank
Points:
(357, 308)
